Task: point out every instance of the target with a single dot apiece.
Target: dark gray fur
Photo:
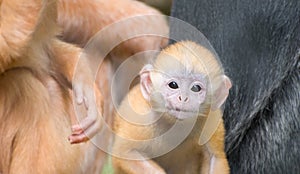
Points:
(258, 42)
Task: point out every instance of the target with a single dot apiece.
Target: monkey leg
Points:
(34, 126)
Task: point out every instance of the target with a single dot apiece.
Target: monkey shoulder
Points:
(133, 110)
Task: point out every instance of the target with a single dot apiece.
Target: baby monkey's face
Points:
(180, 95)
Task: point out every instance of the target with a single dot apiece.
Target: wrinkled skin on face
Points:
(182, 95)
(179, 95)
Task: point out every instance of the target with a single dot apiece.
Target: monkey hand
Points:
(85, 99)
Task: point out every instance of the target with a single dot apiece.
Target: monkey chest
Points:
(185, 158)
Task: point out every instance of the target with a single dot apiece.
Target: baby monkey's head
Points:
(185, 80)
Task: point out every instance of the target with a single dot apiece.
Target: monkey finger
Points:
(78, 93)
(88, 96)
(86, 135)
(92, 109)
(75, 139)
(86, 122)
(91, 118)
(93, 130)
(76, 129)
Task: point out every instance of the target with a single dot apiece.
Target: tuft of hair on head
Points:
(187, 57)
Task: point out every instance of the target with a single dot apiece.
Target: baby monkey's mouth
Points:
(182, 114)
(181, 110)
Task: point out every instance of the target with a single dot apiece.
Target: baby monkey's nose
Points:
(183, 99)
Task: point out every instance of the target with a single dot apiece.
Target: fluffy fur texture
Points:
(152, 103)
(36, 109)
(258, 43)
(80, 20)
(36, 71)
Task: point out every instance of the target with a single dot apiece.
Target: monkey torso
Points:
(188, 156)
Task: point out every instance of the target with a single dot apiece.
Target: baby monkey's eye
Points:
(196, 88)
(173, 85)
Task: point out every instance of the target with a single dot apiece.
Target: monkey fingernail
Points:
(74, 139)
(70, 139)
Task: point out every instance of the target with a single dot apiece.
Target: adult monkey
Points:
(36, 112)
(258, 43)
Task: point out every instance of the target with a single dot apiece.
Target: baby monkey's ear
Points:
(145, 82)
(221, 94)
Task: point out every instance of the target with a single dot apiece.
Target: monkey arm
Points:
(65, 59)
(81, 19)
(218, 162)
(66, 63)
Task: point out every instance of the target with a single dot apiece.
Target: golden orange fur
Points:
(36, 102)
(36, 72)
(80, 20)
(189, 156)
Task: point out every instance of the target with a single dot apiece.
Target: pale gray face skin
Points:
(180, 95)
(183, 95)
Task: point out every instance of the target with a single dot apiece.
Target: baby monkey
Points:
(185, 83)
